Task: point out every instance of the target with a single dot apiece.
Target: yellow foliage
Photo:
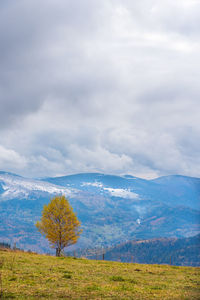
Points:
(59, 224)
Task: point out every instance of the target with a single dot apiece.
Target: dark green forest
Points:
(180, 252)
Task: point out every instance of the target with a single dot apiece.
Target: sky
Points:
(108, 86)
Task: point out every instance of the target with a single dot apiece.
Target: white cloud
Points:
(10, 159)
(107, 86)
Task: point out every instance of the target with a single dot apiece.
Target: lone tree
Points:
(59, 224)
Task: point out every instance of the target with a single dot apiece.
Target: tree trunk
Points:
(58, 251)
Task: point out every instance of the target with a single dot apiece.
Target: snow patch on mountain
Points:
(95, 184)
(122, 193)
(18, 186)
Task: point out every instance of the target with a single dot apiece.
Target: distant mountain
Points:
(174, 190)
(180, 252)
(112, 209)
(182, 190)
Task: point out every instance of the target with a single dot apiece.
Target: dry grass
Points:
(30, 276)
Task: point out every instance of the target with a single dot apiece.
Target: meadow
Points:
(32, 276)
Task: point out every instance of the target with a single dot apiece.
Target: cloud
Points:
(10, 159)
(107, 86)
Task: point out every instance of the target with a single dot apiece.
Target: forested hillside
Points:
(180, 252)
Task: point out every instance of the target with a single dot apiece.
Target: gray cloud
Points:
(109, 86)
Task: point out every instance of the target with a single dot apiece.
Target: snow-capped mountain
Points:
(112, 209)
(16, 186)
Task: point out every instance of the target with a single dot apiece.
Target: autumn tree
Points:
(59, 224)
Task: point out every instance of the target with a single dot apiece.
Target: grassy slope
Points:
(30, 276)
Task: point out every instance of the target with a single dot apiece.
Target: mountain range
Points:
(112, 209)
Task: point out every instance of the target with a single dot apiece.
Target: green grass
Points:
(31, 276)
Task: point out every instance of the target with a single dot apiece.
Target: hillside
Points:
(181, 252)
(32, 276)
(112, 209)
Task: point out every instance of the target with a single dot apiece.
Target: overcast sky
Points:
(108, 86)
